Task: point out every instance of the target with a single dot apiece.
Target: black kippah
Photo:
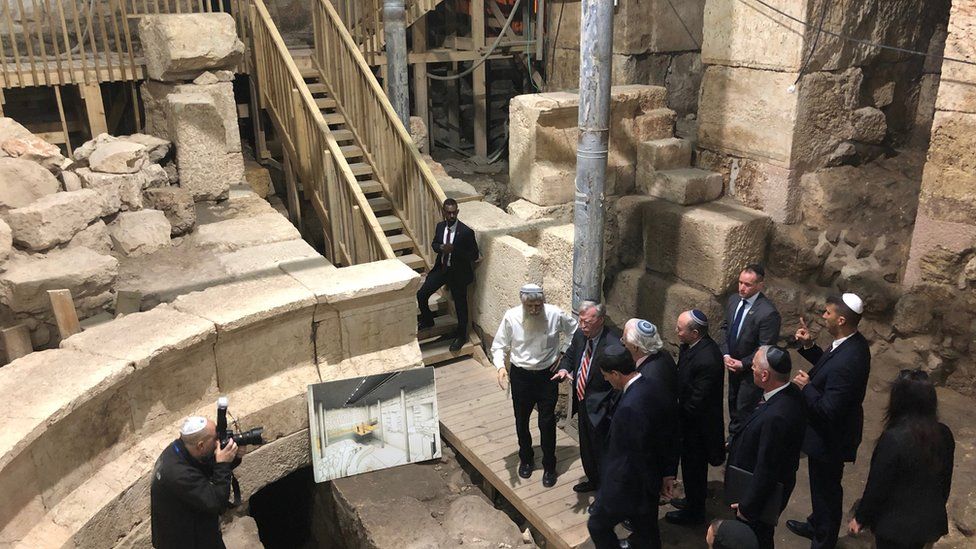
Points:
(779, 359)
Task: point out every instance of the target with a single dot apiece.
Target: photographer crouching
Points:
(192, 482)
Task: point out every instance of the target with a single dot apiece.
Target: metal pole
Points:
(395, 28)
(596, 46)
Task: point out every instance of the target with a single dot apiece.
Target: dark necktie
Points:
(733, 334)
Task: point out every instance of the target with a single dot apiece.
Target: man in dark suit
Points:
(833, 392)
(644, 342)
(590, 392)
(751, 320)
(700, 379)
(768, 444)
(640, 453)
(457, 250)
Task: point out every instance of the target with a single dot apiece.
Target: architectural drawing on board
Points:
(367, 423)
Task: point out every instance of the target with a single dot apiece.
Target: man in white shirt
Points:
(533, 336)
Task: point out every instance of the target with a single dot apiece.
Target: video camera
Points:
(243, 438)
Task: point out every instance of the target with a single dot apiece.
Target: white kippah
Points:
(192, 425)
(853, 302)
(531, 289)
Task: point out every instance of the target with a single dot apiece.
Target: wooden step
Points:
(361, 168)
(379, 204)
(325, 103)
(390, 223)
(440, 351)
(370, 186)
(351, 151)
(444, 324)
(334, 119)
(309, 72)
(318, 87)
(413, 261)
(342, 135)
(400, 242)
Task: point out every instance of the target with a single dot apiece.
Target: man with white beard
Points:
(533, 337)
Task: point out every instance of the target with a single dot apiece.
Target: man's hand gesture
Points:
(227, 453)
(561, 375)
(803, 335)
(502, 378)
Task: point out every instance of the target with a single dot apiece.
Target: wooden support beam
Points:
(16, 341)
(64, 312)
(420, 98)
(95, 107)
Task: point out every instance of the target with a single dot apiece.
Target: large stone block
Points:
(155, 97)
(140, 233)
(949, 179)
(683, 82)
(237, 233)
(118, 157)
(123, 191)
(556, 243)
(6, 240)
(640, 26)
(197, 129)
(22, 182)
(686, 186)
(27, 279)
(54, 219)
(177, 204)
(748, 113)
(627, 69)
(180, 47)
(544, 134)
(956, 91)
(705, 245)
(758, 185)
(95, 237)
(748, 34)
(508, 264)
(523, 209)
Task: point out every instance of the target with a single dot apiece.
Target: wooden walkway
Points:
(477, 420)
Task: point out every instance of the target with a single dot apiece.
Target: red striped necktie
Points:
(584, 371)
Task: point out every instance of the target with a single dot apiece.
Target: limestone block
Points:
(11, 129)
(625, 231)
(35, 149)
(6, 240)
(748, 113)
(156, 149)
(264, 259)
(956, 92)
(684, 82)
(486, 219)
(95, 237)
(54, 219)
(123, 191)
(197, 129)
(640, 26)
(705, 245)
(508, 264)
(523, 209)
(177, 204)
(140, 233)
(23, 505)
(748, 34)
(542, 144)
(205, 79)
(662, 154)
(556, 243)
(685, 186)
(88, 147)
(236, 233)
(949, 179)
(825, 115)
(155, 100)
(27, 279)
(22, 182)
(179, 47)
(264, 325)
(870, 125)
(70, 181)
(626, 69)
(473, 520)
(258, 179)
(118, 157)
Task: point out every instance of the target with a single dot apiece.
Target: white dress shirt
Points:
(631, 382)
(837, 343)
(745, 304)
(449, 232)
(769, 395)
(536, 351)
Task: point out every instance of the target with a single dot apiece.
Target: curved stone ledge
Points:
(83, 424)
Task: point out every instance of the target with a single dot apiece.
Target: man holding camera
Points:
(191, 487)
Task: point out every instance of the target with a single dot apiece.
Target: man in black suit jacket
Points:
(833, 391)
(590, 392)
(644, 342)
(768, 444)
(457, 251)
(751, 320)
(640, 453)
(700, 379)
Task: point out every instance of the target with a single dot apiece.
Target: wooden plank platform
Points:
(477, 420)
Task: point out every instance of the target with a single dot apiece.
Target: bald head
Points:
(201, 443)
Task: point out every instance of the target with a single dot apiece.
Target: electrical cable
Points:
(864, 42)
(813, 47)
(491, 50)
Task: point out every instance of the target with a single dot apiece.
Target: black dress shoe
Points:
(679, 503)
(456, 346)
(549, 478)
(585, 486)
(627, 525)
(525, 469)
(424, 324)
(684, 517)
(802, 529)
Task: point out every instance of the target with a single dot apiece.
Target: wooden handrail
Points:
(406, 178)
(354, 234)
(364, 20)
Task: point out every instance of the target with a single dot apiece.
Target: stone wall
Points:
(69, 480)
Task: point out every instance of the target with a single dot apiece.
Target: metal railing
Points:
(397, 165)
(353, 233)
(61, 42)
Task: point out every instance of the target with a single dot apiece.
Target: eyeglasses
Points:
(914, 374)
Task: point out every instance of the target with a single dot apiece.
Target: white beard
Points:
(534, 325)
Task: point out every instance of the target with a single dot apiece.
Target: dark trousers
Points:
(764, 533)
(459, 292)
(827, 495)
(694, 469)
(531, 389)
(884, 543)
(592, 443)
(743, 397)
(645, 535)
